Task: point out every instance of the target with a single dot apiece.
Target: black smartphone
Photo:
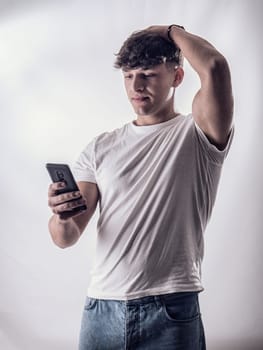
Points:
(61, 172)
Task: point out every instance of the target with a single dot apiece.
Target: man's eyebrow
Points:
(126, 69)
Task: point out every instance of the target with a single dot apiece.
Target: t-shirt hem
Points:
(217, 155)
(84, 178)
(79, 179)
(140, 294)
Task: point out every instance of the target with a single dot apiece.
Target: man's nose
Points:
(138, 84)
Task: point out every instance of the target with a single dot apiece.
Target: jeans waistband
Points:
(158, 298)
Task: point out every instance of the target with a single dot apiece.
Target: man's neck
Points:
(154, 119)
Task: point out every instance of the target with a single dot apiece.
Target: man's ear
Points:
(178, 76)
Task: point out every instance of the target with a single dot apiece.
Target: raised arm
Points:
(212, 106)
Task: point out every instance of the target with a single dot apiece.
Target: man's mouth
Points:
(139, 99)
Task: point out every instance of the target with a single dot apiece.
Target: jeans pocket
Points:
(90, 303)
(181, 308)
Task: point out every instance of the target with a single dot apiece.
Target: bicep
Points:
(90, 192)
(213, 104)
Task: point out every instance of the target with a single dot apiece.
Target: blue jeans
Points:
(168, 322)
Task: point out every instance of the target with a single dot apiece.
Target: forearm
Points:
(64, 233)
(199, 53)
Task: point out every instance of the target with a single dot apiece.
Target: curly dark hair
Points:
(145, 49)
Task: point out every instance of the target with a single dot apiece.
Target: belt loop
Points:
(157, 299)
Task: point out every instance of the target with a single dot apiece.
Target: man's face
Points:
(151, 90)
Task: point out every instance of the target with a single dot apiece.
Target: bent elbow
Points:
(63, 243)
(218, 66)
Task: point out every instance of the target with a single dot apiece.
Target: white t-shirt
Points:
(157, 187)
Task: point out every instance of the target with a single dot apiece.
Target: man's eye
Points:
(129, 76)
(150, 75)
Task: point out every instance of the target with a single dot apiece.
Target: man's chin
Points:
(142, 112)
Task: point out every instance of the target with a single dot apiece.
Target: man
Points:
(155, 180)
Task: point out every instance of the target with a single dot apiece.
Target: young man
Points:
(156, 180)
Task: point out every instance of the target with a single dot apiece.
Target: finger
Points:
(68, 206)
(63, 198)
(54, 187)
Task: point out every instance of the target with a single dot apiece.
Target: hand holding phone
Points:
(65, 198)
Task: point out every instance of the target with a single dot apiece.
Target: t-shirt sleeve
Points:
(213, 153)
(84, 168)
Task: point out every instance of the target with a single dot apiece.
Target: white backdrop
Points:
(58, 89)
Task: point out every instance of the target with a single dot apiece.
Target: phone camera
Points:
(60, 175)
